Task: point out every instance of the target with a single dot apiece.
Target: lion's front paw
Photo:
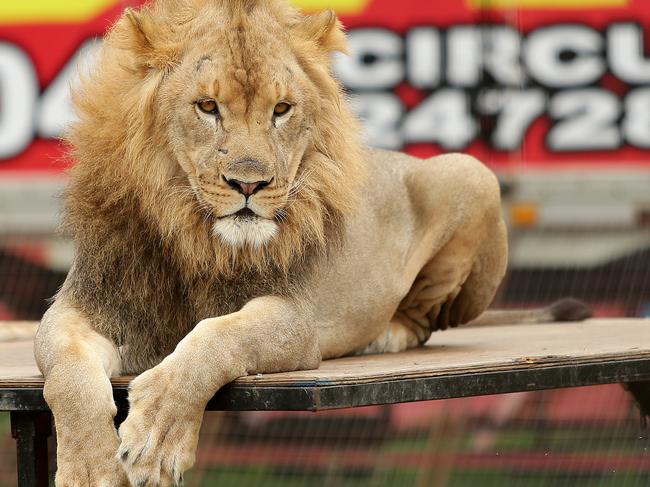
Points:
(77, 474)
(160, 434)
(92, 466)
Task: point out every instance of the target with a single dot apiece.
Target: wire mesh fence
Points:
(587, 436)
(590, 436)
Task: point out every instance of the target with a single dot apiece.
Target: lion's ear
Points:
(326, 29)
(138, 33)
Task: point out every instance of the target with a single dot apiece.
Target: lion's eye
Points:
(208, 106)
(281, 109)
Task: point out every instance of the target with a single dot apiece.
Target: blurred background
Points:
(554, 95)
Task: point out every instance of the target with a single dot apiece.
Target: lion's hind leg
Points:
(454, 287)
(426, 308)
(396, 337)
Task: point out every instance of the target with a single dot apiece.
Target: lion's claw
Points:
(160, 434)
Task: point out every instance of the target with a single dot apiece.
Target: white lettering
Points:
(588, 120)
(516, 110)
(464, 56)
(564, 55)
(443, 118)
(423, 57)
(375, 61)
(502, 52)
(381, 114)
(55, 109)
(625, 53)
(18, 94)
(636, 124)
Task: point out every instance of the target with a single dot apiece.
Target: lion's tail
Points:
(11, 331)
(567, 309)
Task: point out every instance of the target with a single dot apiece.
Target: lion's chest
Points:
(152, 333)
(146, 301)
(212, 297)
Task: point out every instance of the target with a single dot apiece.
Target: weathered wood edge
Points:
(268, 381)
(308, 397)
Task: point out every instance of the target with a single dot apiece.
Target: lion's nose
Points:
(247, 188)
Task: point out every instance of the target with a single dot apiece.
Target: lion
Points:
(228, 220)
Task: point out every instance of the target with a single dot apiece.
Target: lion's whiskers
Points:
(281, 214)
(299, 182)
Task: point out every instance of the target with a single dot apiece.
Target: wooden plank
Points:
(464, 350)
(456, 363)
(17, 330)
(453, 352)
(238, 397)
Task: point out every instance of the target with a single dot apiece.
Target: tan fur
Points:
(373, 251)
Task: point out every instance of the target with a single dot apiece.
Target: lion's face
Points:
(224, 130)
(241, 122)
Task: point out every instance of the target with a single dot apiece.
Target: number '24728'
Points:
(584, 119)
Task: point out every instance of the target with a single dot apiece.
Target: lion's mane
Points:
(146, 259)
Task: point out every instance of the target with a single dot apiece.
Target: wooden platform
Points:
(456, 363)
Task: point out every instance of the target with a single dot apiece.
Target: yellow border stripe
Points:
(46, 11)
(75, 11)
(564, 4)
(350, 7)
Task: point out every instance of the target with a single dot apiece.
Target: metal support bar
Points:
(31, 430)
(640, 391)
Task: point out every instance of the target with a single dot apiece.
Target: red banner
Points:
(516, 82)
